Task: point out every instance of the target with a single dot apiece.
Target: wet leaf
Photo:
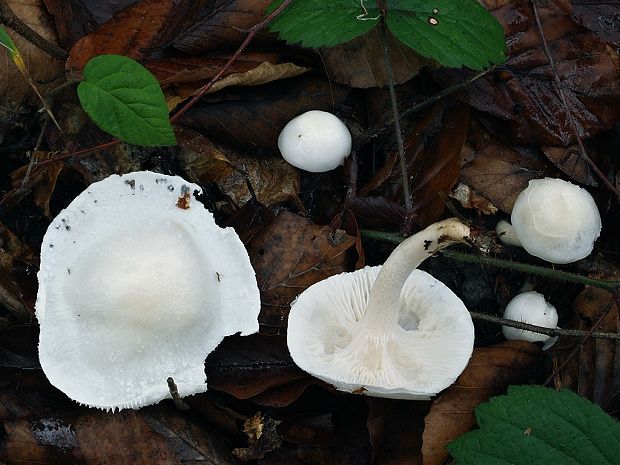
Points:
(602, 18)
(290, 255)
(359, 63)
(247, 366)
(489, 372)
(378, 212)
(524, 94)
(570, 161)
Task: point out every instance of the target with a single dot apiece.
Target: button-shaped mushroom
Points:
(138, 284)
(556, 220)
(532, 308)
(315, 141)
(389, 331)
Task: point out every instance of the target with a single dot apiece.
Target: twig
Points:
(397, 130)
(573, 124)
(506, 264)
(176, 398)
(8, 18)
(542, 330)
(253, 31)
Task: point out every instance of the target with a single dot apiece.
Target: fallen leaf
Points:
(359, 62)
(247, 366)
(468, 198)
(489, 372)
(260, 113)
(378, 212)
(14, 89)
(570, 161)
(500, 172)
(523, 92)
(263, 437)
(602, 18)
(288, 256)
(272, 178)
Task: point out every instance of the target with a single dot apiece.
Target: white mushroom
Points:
(556, 220)
(388, 331)
(315, 141)
(138, 284)
(506, 234)
(532, 308)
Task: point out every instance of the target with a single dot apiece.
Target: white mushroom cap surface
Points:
(412, 345)
(556, 220)
(315, 141)
(134, 289)
(532, 308)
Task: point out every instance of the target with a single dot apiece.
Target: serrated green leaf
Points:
(536, 425)
(318, 23)
(453, 33)
(125, 100)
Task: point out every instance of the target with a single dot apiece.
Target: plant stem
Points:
(540, 329)
(571, 119)
(397, 129)
(506, 264)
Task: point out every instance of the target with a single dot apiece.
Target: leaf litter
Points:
(497, 134)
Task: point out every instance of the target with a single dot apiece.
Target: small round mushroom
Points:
(138, 284)
(315, 141)
(389, 331)
(532, 308)
(556, 220)
(506, 234)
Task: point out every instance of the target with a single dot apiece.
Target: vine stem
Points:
(201, 92)
(571, 119)
(397, 129)
(506, 264)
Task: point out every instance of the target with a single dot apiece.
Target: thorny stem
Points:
(540, 329)
(571, 119)
(203, 90)
(8, 18)
(506, 264)
(397, 129)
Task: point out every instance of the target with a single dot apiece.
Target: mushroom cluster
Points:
(390, 331)
(138, 284)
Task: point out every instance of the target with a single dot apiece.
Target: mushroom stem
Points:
(382, 309)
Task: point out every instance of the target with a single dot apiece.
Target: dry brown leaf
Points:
(489, 372)
(272, 178)
(570, 161)
(288, 256)
(14, 89)
(359, 62)
(469, 198)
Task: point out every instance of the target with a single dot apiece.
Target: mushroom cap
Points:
(419, 356)
(530, 307)
(315, 141)
(556, 220)
(138, 284)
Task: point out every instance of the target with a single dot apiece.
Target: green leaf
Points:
(6, 41)
(535, 425)
(320, 23)
(453, 33)
(125, 100)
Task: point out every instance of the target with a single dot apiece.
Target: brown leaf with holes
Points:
(290, 255)
(152, 436)
(359, 62)
(489, 372)
(500, 172)
(524, 93)
(14, 89)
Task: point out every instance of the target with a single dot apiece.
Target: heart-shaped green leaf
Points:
(125, 100)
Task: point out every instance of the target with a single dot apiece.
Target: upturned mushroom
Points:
(386, 331)
(138, 284)
(315, 141)
(556, 220)
(532, 308)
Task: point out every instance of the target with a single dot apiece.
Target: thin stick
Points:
(176, 398)
(558, 86)
(397, 129)
(506, 264)
(542, 330)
